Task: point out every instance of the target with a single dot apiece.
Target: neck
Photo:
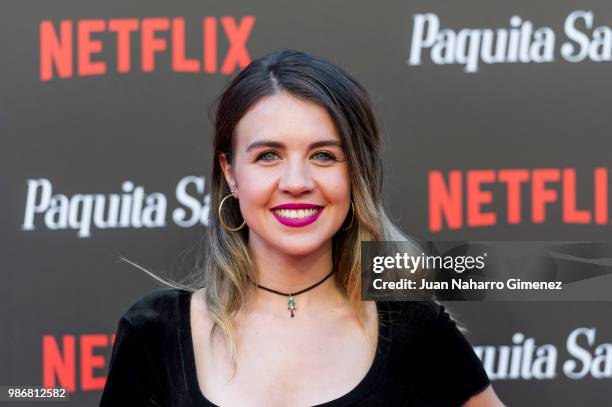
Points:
(289, 274)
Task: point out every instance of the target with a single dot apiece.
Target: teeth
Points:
(295, 213)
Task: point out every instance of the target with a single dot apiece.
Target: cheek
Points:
(337, 186)
(255, 186)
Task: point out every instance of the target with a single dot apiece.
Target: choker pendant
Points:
(291, 305)
(291, 302)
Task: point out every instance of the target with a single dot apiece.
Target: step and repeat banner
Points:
(496, 118)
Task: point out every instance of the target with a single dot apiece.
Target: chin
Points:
(300, 248)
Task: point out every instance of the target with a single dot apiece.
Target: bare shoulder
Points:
(372, 318)
(371, 311)
(199, 315)
(348, 322)
(198, 300)
(198, 305)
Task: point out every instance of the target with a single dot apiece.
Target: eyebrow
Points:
(277, 144)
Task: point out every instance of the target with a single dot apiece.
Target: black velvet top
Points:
(422, 358)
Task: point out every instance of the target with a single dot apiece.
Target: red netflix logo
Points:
(547, 187)
(59, 361)
(61, 45)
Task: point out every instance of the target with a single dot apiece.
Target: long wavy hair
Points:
(227, 270)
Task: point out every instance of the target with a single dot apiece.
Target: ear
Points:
(226, 167)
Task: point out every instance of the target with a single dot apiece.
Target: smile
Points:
(295, 213)
(297, 217)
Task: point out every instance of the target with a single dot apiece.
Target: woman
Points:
(275, 317)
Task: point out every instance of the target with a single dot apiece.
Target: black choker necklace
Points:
(291, 302)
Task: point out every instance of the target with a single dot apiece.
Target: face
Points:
(291, 175)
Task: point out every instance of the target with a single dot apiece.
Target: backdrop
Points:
(496, 118)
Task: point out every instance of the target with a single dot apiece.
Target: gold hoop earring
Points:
(352, 217)
(221, 216)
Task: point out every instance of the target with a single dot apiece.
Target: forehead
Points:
(285, 118)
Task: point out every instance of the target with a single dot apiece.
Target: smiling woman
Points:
(275, 315)
(275, 180)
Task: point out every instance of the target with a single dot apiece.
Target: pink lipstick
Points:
(297, 214)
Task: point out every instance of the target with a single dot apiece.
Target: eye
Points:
(325, 156)
(267, 156)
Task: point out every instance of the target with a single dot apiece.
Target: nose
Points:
(296, 178)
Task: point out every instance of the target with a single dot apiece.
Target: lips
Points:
(297, 214)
